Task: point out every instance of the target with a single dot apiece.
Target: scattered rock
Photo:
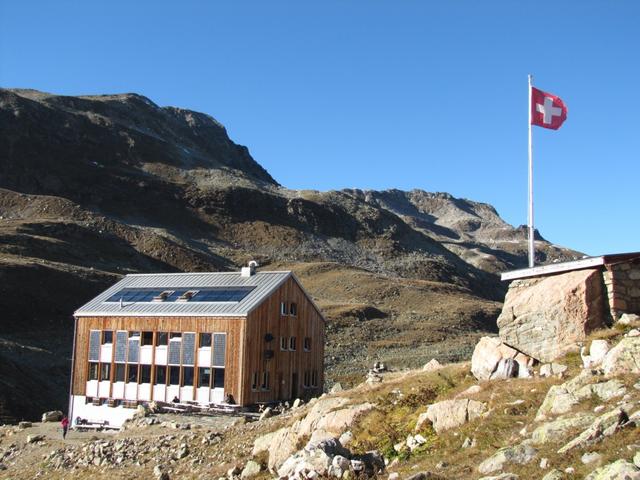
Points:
(552, 369)
(159, 471)
(24, 425)
(634, 332)
(297, 403)
(519, 454)
(544, 463)
(336, 388)
(623, 358)
(432, 366)
(492, 359)
(266, 413)
(450, 414)
(545, 317)
(472, 390)
(469, 443)
(554, 475)
(250, 470)
(636, 459)
(35, 438)
(628, 319)
(597, 352)
(619, 470)
(52, 416)
(591, 457)
(502, 476)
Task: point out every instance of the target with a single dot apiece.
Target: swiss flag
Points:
(547, 110)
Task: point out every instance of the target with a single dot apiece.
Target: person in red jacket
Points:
(65, 426)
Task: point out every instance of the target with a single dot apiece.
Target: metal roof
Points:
(264, 282)
(588, 262)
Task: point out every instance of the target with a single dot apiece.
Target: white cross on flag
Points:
(547, 110)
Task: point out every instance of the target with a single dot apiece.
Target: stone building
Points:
(551, 308)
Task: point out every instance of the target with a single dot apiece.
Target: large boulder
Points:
(546, 317)
(450, 414)
(557, 430)
(623, 358)
(52, 416)
(492, 359)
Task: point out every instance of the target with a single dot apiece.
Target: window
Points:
(134, 334)
(93, 371)
(174, 375)
(204, 377)
(314, 378)
(254, 382)
(307, 344)
(162, 338)
(218, 378)
(283, 308)
(107, 337)
(187, 377)
(161, 375)
(132, 373)
(265, 381)
(284, 343)
(147, 338)
(145, 373)
(292, 344)
(205, 340)
(173, 335)
(119, 377)
(293, 309)
(105, 372)
(306, 379)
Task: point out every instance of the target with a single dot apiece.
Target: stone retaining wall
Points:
(623, 287)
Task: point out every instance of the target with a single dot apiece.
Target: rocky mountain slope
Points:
(95, 187)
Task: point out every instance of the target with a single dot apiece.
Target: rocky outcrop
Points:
(561, 398)
(450, 414)
(492, 359)
(518, 454)
(603, 426)
(546, 317)
(623, 358)
(327, 420)
(619, 470)
(558, 429)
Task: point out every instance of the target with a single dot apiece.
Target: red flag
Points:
(547, 110)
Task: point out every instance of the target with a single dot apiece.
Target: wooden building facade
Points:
(208, 338)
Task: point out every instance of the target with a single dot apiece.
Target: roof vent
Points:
(249, 270)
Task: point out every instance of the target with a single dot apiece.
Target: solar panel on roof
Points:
(219, 294)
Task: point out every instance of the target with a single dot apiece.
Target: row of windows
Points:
(289, 343)
(161, 374)
(310, 378)
(161, 338)
(288, 309)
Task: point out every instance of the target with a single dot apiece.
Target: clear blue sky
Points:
(377, 94)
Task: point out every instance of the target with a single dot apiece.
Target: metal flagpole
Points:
(531, 230)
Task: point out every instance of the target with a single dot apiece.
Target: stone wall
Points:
(623, 287)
